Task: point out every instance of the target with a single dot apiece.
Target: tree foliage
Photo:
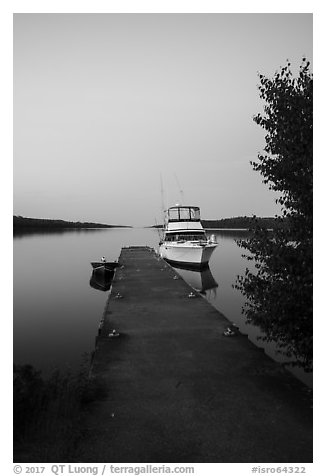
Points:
(279, 292)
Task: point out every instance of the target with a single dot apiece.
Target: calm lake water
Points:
(57, 312)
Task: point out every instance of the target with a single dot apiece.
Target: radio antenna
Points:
(162, 197)
(180, 190)
(162, 194)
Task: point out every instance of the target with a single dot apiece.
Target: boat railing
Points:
(194, 242)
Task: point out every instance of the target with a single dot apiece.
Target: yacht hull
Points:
(195, 255)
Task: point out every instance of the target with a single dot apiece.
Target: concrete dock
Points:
(178, 390)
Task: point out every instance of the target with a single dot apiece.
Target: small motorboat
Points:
(104, 266)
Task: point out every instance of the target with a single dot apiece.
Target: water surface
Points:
(57, 311)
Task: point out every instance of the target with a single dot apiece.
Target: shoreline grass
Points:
(48, 413)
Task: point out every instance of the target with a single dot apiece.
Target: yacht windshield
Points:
(186, 236)
(184, 214)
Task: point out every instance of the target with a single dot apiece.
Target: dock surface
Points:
(178, 390)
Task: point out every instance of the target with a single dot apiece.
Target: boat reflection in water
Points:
(101, 281)
(201, 280)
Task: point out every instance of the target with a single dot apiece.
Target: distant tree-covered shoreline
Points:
(24, 222)
(240, 222)
(244, 222)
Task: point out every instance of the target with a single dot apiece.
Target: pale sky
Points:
(106, 103)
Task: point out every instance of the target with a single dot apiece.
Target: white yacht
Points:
(184, 240)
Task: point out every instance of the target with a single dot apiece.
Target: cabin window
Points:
(174, 214)
(186, 236)
(184, 214)
(194, 214)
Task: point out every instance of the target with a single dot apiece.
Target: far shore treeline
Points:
(244, 222)
(241, 223)
(22, 222)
